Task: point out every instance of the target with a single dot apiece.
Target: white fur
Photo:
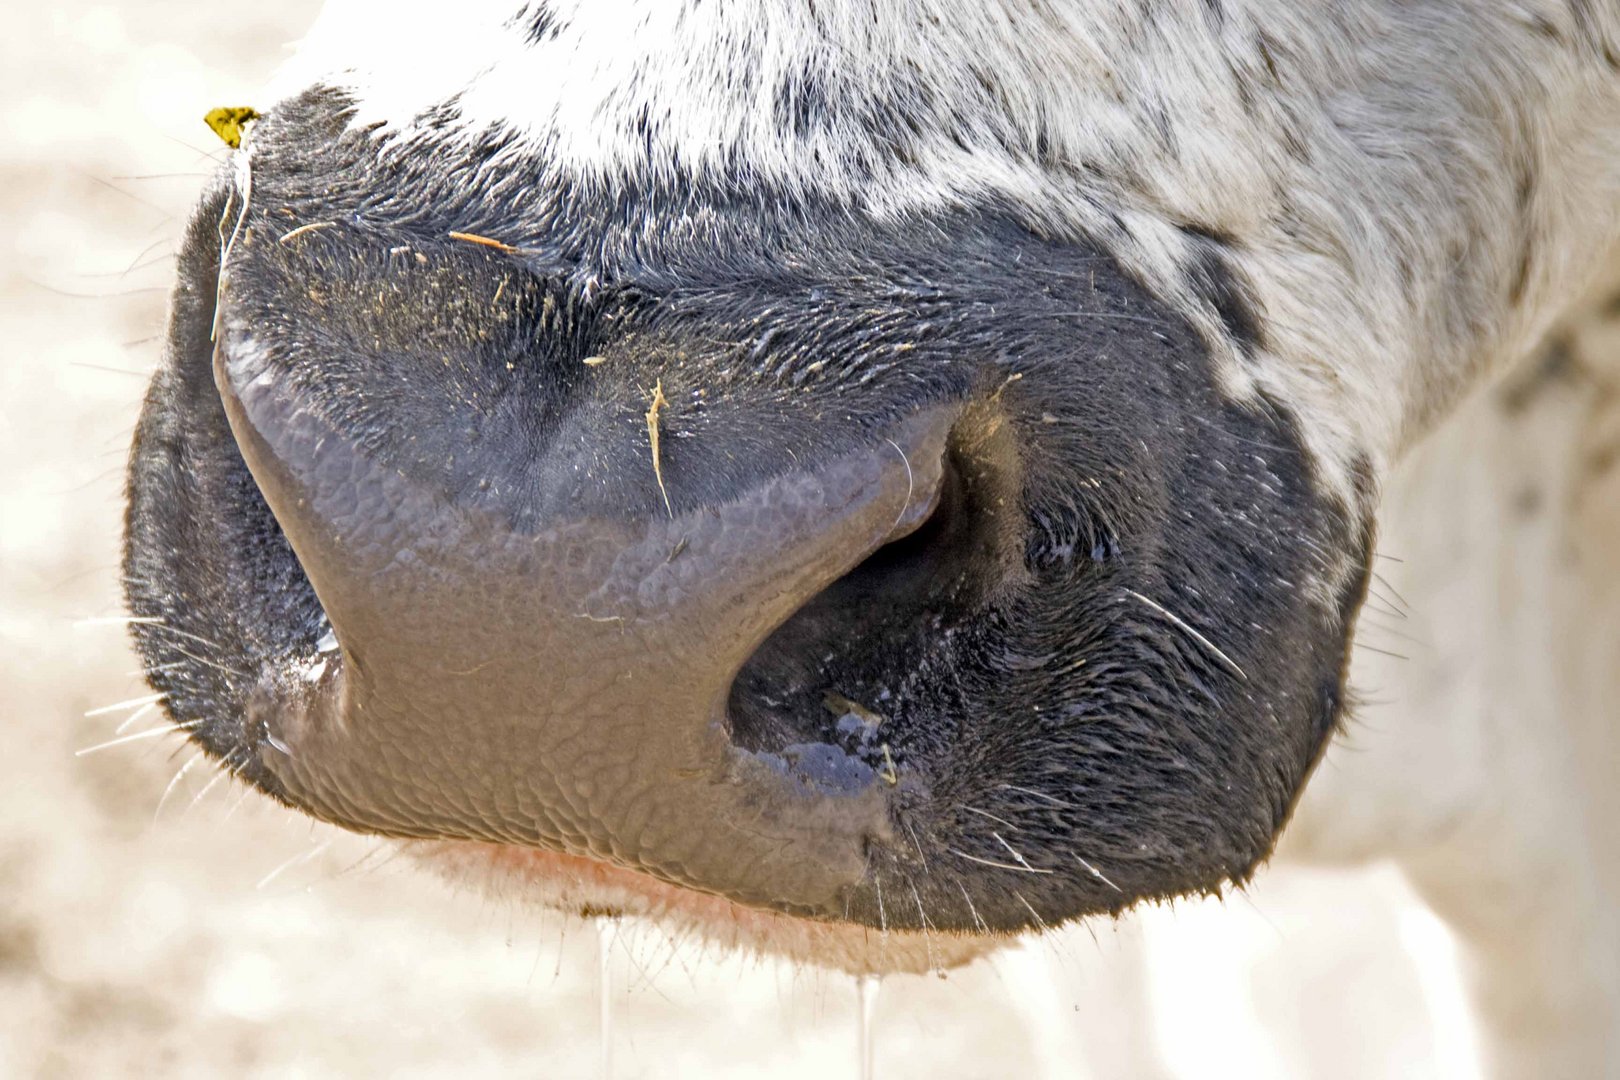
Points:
(1417, 119)
(1489, 771)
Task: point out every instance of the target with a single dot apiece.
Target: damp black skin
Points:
(1104, 666)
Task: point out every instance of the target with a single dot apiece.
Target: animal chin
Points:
(590, 888)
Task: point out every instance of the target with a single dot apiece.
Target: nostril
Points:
(870, 640)
(918, 556)
(596, 652)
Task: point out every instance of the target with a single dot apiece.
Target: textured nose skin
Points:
(565, 687)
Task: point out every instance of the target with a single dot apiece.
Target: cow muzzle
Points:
(565, 685)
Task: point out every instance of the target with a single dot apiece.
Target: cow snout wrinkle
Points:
(565, 687)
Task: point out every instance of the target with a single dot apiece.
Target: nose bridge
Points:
(567, 687)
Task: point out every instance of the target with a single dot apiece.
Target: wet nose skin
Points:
(566, 686)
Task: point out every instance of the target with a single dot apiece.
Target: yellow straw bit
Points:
(484, 241)
(228, 123)
(658, 403)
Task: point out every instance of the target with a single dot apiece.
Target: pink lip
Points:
(589, 888)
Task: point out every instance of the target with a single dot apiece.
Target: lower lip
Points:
(592, 889)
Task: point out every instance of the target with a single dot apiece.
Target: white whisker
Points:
(992, 817)
(296, 860)
(928, 939)
(174, 782)
(132, 703)
(1037, 794)
(1040, 922)
(247, 789)
(224, 771)
(1182, 625)
(135, 717)
(1025, 869)
(977, 921)
(917, 844)
(1020, 859)
(114, 620)
(1096, 873)
(149, 733)
(910, 485)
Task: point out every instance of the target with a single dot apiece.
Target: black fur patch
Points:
(1213, 277)
(539, 23)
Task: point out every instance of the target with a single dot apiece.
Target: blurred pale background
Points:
(207, 933)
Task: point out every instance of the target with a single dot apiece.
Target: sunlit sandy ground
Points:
(216, 935)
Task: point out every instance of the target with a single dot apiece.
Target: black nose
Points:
(565, 683)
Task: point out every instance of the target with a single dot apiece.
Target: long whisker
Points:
(114, 620)
(1182, 625)
(135, 717)
(977, 920)
(1038, 794)
(1040, 922)
(1026, 868)
(928, 939)
(226, 769)
(132, 703)
(1096, 873)
(992, 817)
(149, 733)
(174, 782)
(296, 860)
(1019, 858)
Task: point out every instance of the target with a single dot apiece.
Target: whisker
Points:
(247, 789)
(977, 921)
(928, 939)
(1037, 794)
(1040, 922)
(300, 858)
(992, 817)
(156, 668)
(132, 703)
(916, 844)
(225, 769)
(111, 295)
(1119, 317)
(159, 623)
(134, 717)
(149, 733)
(1096, 873)
(1026, 868)
(1358, 644)
(1400, 601)
(215, 664)
(910, 485)
(130, 195)
(1182, 625)
(110, 370)
(1019, 858)
(174, 782)
(115, 620)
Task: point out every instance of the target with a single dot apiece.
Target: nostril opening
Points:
(859, 644)
(903, 557)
